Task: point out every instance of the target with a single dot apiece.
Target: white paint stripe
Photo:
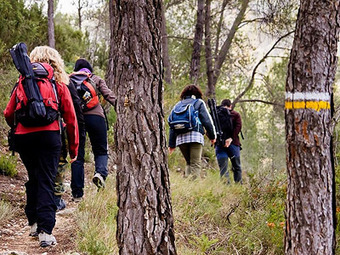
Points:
(318, 96)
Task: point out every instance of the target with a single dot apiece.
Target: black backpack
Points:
(226, 122)
(36, 92)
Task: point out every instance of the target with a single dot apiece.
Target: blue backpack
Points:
(184, 117)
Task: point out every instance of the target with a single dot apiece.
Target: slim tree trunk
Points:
(227, 43)
(80, 7)
(196, 53)
(210, 92)
(145, 221)
(51, 39)
(165, 45)
(310, 211)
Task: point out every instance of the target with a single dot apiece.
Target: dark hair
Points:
(226, 102)
(191, 90)
(82, 63)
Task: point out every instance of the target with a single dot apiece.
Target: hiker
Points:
(232, 146)
(191, 142)
(39, 148)
(96, 127)
(59, 188)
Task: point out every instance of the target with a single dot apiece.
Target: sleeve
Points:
(206, 120)
(104, 90)
(69, 115)
(10, 109)
(172, 138)
(237, 123)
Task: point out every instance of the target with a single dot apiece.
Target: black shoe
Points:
(61, 205)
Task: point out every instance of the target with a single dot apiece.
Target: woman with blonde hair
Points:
(40, 147)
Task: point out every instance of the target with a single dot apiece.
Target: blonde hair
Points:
(49, 55)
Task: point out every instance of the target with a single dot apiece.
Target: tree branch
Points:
(259, 101)
(251, 82)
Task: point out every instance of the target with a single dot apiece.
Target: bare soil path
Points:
(14, 234)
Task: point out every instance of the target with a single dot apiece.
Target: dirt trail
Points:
(14, 234)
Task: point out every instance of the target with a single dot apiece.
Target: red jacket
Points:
(67, 112)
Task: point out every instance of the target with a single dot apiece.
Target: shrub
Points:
(8, 165)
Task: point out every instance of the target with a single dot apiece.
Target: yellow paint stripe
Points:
(315, 105)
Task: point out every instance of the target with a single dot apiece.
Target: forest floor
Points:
(14, 234)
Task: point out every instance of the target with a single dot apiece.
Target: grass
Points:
(8, 165)
(6, 211)
(210, 216)
(97, 221)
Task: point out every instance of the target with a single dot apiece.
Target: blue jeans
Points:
(222, 155)
(96, 128)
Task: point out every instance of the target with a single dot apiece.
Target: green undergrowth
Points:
(97, 221)
(8, 165)
(210, 216)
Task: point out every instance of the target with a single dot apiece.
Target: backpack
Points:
(86, 89)
(226, 122)
(184, 117)
(25, 112)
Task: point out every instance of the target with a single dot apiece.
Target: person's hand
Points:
(73, 159)
(213, 141)
(228, 142)
(171, 150)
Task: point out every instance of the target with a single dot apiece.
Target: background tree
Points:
(196, 52)
(50, 15)
(310, 193)
(165, 47)
(145, 222)
(15, 21)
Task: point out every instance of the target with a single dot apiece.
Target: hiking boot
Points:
(60, 203)
(46, 239)
(98, 180)
(33, 231)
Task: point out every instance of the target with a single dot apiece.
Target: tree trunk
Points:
(310, 208)
(51, 39)
(227, 43)
(196, 53)
(80, 7)
(144, 220)
(166, 58)
(210, 92)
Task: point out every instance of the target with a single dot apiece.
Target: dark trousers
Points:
(96, 129)
(222, 155)
(40, 153)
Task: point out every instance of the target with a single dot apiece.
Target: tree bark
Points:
(310, 208)
(144, 220)
(51, 39)
(196, 53)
